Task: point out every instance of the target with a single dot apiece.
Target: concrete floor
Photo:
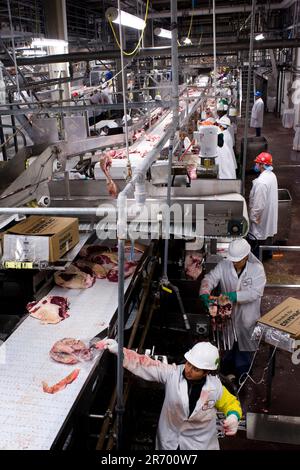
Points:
(286, 382)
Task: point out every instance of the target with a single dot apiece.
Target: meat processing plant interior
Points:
(150, 225)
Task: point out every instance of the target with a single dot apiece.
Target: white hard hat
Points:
(224, 121)
(205, 356)
(238, 249)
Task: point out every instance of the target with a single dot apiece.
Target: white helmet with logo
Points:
(238, 249)
(204, 356)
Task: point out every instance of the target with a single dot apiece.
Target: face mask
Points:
(256, 168)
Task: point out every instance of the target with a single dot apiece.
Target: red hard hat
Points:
(264, 158)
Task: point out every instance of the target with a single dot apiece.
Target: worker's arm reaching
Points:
(209, 282)
(139, 364)
(231, 407)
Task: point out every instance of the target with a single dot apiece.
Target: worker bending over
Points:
(192, 396)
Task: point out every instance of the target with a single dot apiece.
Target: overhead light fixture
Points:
(33, 52)
(46, 42)
(126, 19)
(187, 41)
(163, 33)
(259, 37)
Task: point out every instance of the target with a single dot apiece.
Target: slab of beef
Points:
(193, 265)
(106, 259)
(88, 250)
(50, 309)
(74, 278)
(91, 268)
(70, 351)
(62, 384)
(105, 164)
(129, 268)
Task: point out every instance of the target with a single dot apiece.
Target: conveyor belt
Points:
(30, 418)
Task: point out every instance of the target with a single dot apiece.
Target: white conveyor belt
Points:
(30, 418)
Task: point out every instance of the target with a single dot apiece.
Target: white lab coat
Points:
(176, 427)
(257, 113)
(263, 206)
(249, 288)
(225, 161)
(229, 141)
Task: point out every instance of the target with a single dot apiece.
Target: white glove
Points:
(109, 343)
(230, 425)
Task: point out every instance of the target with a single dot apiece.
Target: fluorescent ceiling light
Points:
(125, 18)
(45, 42)
(163, 33)
(33, 52)
(187, 41)
(259, 37)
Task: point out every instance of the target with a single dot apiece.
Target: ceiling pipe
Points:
(221, 10)
(156, 52)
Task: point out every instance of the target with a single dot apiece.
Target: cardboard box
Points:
(285, 317)
(40, 238)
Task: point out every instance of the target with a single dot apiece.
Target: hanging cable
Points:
(139, 41)
(191, 24)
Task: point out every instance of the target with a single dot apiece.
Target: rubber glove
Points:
(230, 425)
(109, 343)
(232, 296)
(205, 299)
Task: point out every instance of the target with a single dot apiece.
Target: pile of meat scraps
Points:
(70, 351)
(50, 309)
(62, 383)
(95, 262)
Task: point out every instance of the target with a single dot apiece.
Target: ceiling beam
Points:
(155, 52)
(221, 10)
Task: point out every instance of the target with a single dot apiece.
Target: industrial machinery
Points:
(67, 178)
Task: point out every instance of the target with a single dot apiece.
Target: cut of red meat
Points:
(91, 268)
(70, 351)
(92, 249)
(193, 265)
(112, 188)
(129, 268)
(74, 278)
(62, 384)
(106, 259)
(50, 309)
(105, 164)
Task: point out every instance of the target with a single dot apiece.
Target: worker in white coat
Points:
(263, 201)
(224, 124)
(242, 279)
(257, 113)
(224, 160)
(193, 393)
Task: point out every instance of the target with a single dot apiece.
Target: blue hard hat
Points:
(108, 75)
(258, 93)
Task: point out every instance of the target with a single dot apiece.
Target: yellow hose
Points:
(139, 41)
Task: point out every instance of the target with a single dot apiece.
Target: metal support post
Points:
(248, 97)
(174, 44)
